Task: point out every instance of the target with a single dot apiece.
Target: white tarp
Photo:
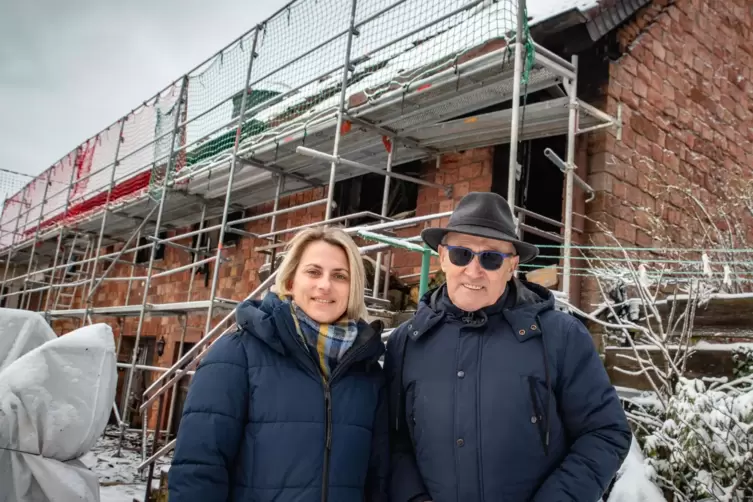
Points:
(20, 332)
(55, 400)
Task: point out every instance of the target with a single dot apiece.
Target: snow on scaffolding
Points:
(379, 63)
(294, 101)
(390, 50)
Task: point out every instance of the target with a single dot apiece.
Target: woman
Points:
(292, 406)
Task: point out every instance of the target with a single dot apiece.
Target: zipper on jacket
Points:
(328, 416)
(328, 439)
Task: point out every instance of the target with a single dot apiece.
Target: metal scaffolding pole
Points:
(385, 209)
(13, 243)
(26, 222)
(230, 179)
(339, 160)
(515, 126)
(572, 89)
(133, 267)
(270, 258)
(171, 412)
(63, 273)
(36, 238)
(61, 235)
(340, 112)
(115, 163)
(123, 250)
(196, 251)
(170, 165)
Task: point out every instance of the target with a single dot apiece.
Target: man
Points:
(494, 395)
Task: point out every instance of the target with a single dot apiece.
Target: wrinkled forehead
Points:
(478, 243)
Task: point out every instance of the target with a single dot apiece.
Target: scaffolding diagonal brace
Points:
(549, 153)
(276, 170)
(339, 160)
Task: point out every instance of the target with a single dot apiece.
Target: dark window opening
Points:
(142, 255)
(181, 389)
(231, 238)
(539, 190)
(365, 193)
(203, 241)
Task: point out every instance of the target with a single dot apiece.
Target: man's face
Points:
(472, 287)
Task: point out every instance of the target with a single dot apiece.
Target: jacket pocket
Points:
(539, 417)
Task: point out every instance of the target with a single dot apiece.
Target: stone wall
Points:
(685, 159)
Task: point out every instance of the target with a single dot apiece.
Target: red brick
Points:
(620, 189)
(643, 146)
(640, 88)
(461, 189)
(480, 184)
(634, 196)
(644, 127)
(601, 182)
(624, 231)
(644, 74)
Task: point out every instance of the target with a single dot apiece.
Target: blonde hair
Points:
(336, 237)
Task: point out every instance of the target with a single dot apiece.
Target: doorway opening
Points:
(539, 189)
(364, 193)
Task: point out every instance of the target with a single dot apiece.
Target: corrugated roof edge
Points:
(600, 18)
(611, 13)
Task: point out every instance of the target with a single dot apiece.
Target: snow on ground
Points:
(118, 478)
(121, 493)
(633, 483)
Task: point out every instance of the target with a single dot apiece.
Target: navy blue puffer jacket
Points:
(508, 404)
(259, 424)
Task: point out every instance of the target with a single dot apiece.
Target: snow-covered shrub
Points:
(696, 434)
(703, 449)
(742, 357)
(633, 482)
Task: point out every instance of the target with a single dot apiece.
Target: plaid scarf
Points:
(330, 342)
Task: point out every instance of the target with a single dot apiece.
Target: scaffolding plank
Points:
(544, 119)
(458, 95)
(153, 309)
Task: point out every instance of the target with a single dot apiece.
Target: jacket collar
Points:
(520, 305)
(271, 321)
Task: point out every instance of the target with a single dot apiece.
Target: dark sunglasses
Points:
(490, 260)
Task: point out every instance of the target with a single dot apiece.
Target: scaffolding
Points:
(285, 108)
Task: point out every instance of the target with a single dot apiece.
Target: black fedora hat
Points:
(483, 214)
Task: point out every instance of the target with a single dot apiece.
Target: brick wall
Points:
(686, 155)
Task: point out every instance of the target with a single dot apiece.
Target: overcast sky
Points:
(71, 68)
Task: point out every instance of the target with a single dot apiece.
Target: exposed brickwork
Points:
(685, 88)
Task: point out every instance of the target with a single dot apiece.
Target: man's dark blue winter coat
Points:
(511, 403)
(255, 423)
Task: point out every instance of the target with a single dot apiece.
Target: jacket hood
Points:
(521, 304)
(258, 318)
(271, 321)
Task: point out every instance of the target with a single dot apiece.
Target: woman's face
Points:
(321, 284)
